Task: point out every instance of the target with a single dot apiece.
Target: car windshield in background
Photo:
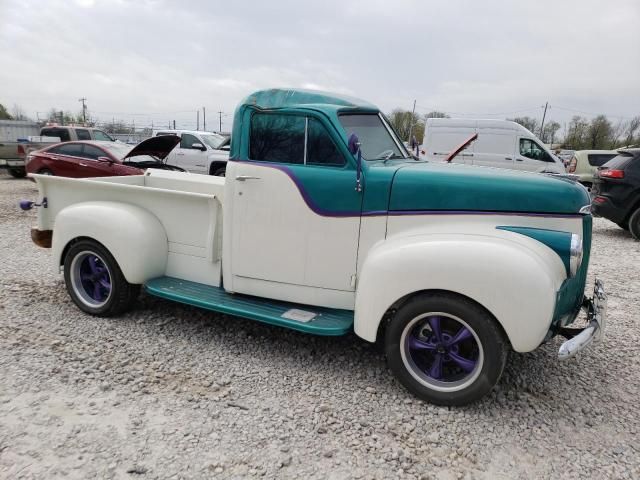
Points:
(118, 150)
(213, 140)
(375, 139)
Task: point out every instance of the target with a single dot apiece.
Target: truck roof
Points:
(292, 97)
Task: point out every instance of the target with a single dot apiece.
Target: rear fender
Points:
(516, 280)
(134, 236)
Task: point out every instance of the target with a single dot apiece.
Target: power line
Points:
(420, 107)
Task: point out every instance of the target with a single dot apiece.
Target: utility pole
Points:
(413, 113)
(204, 119)
(220, 113)
(174, 125)
(197, 119)
(84, 110)
(542, 124)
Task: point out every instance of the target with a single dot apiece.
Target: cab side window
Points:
(320, 148)
(61, 133)
(530, 149)
(187, 140)
(277, 138)
(83, 134)
(100, 135)
(281, 138)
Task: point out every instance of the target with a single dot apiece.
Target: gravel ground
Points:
(169, 391)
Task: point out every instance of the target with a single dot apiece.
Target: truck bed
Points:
(189, 207)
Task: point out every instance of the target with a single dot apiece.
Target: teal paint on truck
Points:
(558, 241)
(434, 186)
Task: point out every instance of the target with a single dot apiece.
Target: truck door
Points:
(533, 158)
(295, 214)
(191, 158)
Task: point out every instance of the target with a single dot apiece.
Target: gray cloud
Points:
(162, 60)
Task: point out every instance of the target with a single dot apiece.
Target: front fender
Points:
(134, 236)
(515, 279)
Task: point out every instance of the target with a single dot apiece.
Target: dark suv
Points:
(616, 191)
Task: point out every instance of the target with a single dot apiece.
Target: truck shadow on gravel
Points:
(532, 378)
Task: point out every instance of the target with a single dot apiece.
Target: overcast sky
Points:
(155, 60)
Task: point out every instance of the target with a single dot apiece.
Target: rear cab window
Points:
(61, 133)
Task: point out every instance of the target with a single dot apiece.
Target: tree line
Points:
(581, 133)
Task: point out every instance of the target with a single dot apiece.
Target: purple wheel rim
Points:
(442, 351)
(91, 279)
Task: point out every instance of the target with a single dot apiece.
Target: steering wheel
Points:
(386, 154)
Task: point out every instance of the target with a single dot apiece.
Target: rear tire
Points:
(95, 282)
(445, 349)
(634, 224)
(221, 172)
(17, 172)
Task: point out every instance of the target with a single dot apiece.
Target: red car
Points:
(102, 159)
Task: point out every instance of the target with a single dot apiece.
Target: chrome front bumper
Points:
(597, 315)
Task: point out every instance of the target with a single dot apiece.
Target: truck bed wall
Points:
(187, 206)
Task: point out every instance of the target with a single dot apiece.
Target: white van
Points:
(500, 143)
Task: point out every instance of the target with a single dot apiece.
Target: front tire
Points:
(95, 282)
(634, 224)
(221, 172)
(445, 349)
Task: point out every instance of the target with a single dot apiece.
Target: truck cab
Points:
(325, 224)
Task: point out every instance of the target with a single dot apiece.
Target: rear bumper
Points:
(602, 206)
(11, 163)
(42, 238)
(596, 308)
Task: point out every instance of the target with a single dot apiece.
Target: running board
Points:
(304, 318)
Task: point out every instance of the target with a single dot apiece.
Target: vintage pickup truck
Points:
(325, 224)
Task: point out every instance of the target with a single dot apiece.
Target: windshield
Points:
(120, 150)
(213, 140)
(376, 141)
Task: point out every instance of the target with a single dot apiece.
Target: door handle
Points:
(181, 154)
(508, 158)
(467, 154)
(518, 159)
(242, 178)
(83, 164)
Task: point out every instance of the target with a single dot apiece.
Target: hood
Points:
(159, 147)
(453, 187)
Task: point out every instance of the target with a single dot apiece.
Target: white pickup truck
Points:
(313, 229)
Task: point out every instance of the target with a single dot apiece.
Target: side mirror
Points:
(105, 159)
(198, 146)
(354, 149)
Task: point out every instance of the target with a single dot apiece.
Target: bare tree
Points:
(436, 114)
(403, 120)
(18, 113)
(632, 126)
(600, 133)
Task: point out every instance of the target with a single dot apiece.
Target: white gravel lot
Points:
(169, 391)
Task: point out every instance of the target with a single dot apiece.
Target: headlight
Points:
(575, 254)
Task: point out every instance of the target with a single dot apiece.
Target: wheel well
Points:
(216, 165)
(635, 206)
(74, 241)
(391, 311)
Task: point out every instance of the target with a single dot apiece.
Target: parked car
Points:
(14, 153)
(585, 163)
(101, 159)
(616, 191)
(71, 133)
(199, 152)
(326, 224)
(500, 143)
